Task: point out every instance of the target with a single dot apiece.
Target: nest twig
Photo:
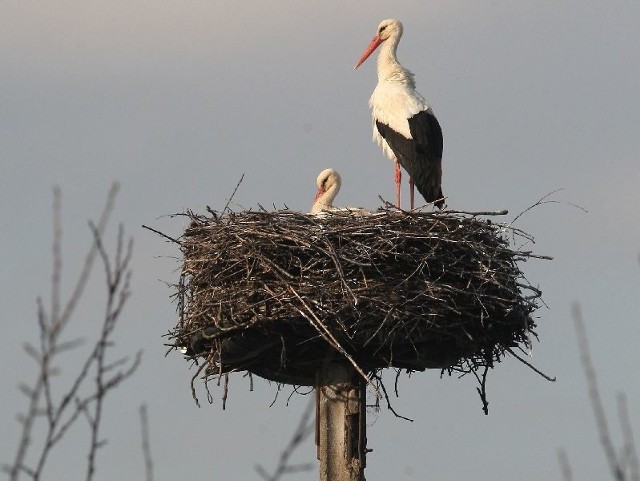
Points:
(276, 293)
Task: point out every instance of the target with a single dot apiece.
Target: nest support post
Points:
(341, 422)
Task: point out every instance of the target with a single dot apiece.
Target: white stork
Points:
(403, 123)
(329, 183)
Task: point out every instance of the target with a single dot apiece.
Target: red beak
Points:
(372, 46)
(318, 194)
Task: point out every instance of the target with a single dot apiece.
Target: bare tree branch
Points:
(146, 446)
(565, 467)
(615, 466)
(61, 413)
(629, 452)
(303, 430)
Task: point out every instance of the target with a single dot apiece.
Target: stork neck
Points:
(388, 66)
(330, 195)
(325, 201)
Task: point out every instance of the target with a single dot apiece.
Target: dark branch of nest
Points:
(546, 199)
(482, 390)
(275, 293)
(378, 378)
(175, 241)
(226, 206)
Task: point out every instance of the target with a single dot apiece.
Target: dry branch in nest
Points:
(276, 293)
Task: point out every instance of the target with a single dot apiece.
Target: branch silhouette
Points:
(97, 376)
(623, 462)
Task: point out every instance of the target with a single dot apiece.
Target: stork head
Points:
(327, 179)
(328, 186)
(389, 28)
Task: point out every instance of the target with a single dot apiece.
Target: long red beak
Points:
(372, 46)
(318, 194)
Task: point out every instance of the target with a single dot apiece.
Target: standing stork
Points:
(403, 123)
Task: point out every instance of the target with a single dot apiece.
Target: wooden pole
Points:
(341, 423)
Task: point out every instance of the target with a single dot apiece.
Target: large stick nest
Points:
(277, 293)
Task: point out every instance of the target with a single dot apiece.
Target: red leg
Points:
(398, 179)
(411, 193)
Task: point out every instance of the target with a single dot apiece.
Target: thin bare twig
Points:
(226, 206)
(531, 366)
(161, 234)
(389, 406)
(545, 200)
(146, 446)
(482, 390)
(303, 431)
(60, 413)
(565, 467)
(88, 263)
(594, 396)
(629, 452)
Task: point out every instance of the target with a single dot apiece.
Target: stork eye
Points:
(382, 28)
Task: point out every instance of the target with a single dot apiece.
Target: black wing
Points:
(420, 156)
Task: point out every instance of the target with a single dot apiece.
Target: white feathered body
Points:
(393, 102)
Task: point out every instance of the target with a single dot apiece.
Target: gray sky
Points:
(177, 99)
